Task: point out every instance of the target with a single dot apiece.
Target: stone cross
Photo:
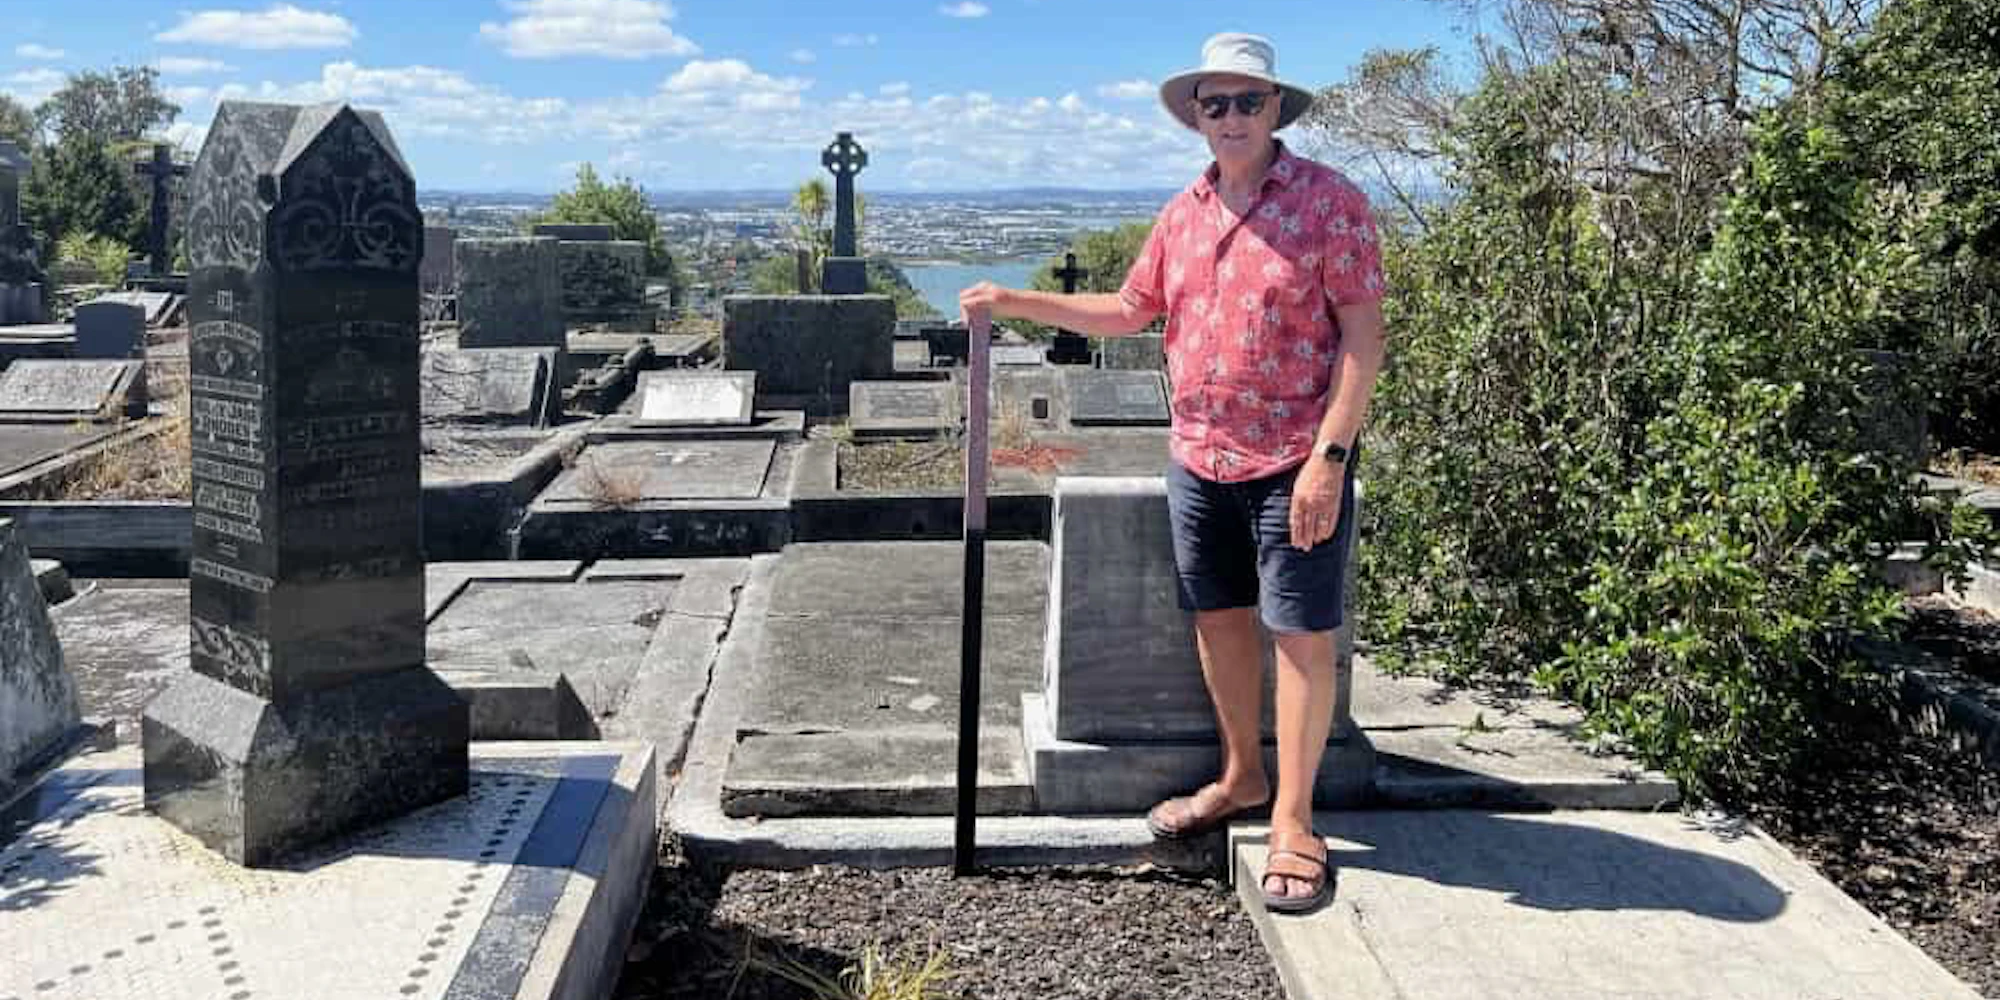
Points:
(13, 164)
(1069, 348)
(308, 711)
(1071, 274)
(162, 170)
(845, 158)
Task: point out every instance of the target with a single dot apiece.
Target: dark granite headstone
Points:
(503, 385)
(510, 293)
(20, 275)
(38, 705)
(110, 328)
(13, 168)
(579, 231)
(438, 275)
(810, 345)
(309, 710)
(697, 398)
(947, 344)
(900, 409)
(1116, 398)
(69, 390)
(604, 281)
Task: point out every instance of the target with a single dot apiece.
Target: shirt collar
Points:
(1283, 172)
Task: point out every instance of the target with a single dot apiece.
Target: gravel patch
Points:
(1083, 933)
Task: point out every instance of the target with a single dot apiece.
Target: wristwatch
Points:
(1332, 451)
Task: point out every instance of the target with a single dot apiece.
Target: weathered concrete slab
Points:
(859, 650)
(1386, 701)
(1522, 768)
(25, 445)
(637, 499)
(38, 702)
(1577, 906)
(635, 472)
(527, 887)
(125, 640)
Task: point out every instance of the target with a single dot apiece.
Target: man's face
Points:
(1235, 137)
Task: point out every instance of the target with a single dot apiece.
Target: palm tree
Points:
(810, 203)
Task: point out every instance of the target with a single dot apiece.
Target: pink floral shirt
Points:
(1251, 336)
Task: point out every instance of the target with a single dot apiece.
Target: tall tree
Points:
(17, 123)
(622, 205)
(78, 186)
(119, 106)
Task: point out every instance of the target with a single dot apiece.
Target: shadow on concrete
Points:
(1557, 866)
(40, 855)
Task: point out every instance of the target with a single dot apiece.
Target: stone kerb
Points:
(38, 705)
(1123, 717)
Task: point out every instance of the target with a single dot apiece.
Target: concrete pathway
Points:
(1583, 905)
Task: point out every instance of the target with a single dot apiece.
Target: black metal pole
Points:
(978, 333)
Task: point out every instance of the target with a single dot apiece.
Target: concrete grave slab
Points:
(125, 641)
(680, 470)
(859, 649)
(1017, 355)
(1116, 398)
(1458, 905)
(25, 445)
(696, 398)
(527, 886)
(33, 390)
(903, 409)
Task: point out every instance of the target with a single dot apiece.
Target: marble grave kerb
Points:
(309, 710)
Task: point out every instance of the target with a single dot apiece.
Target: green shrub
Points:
(106, 257)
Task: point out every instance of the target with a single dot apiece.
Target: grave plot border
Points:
(468, 518)
(669, 528)
(823, 512)
(14, 483)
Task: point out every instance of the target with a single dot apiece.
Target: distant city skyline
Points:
(512, 95)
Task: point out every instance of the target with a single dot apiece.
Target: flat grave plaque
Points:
(648, 471)
(1116, 398)
(42, 389)
(902, 407)
(1017, 354)
(696, 399)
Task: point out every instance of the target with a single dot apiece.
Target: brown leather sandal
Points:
(1295, 856)
(1193, 815)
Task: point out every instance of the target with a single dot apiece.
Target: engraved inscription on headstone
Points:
(498, 384)
(902, 408)
(1116, 398)
(67, 389)
(1016, 354)
(697, 398)
(306, 581)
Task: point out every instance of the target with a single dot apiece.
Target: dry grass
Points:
(874, 976)
(152, 466)
(609, 487)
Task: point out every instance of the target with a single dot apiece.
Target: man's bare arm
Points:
(1363, 342)
(1096, 315)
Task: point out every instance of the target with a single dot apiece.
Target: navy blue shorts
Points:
(1233, 549)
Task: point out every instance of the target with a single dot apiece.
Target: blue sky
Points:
(512, 94)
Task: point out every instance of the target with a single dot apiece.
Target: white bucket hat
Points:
(1237, 55)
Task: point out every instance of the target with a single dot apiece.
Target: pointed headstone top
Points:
(330, 179)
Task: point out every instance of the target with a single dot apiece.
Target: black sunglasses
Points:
(1217, 105)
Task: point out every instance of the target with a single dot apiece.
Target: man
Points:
(1268, 272)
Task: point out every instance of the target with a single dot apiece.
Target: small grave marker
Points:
(883, 409)
(677, 398)
(495, 384)
(1116, 398)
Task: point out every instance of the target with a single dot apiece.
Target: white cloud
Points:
(187, 66)
(32, 86)
(1126, 90)
(851, 41)
(281, 26)
(803, 56)
(613, 29)
(732, 81)
(1070, 103)
(30, 50)
(895, 89)
(965, 9)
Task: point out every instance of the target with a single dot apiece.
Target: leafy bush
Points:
(106, 257)
(1627, 443)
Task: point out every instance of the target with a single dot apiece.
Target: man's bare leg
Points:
(1304, 720)
(1232, 662)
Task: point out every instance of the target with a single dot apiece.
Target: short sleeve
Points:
(1351, 266)
(1145, 287)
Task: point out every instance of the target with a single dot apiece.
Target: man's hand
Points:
(985, 296)
(1316, 502)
